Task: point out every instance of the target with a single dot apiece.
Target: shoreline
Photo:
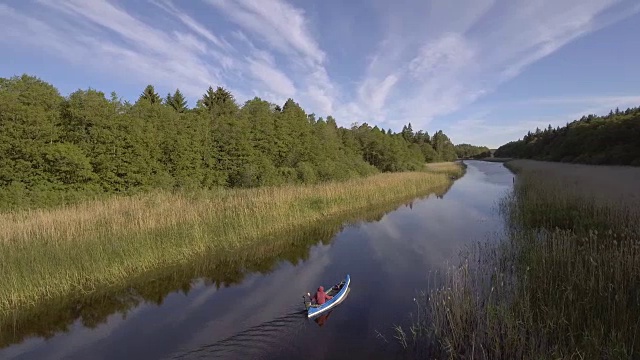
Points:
(572, 233)
(80, 249)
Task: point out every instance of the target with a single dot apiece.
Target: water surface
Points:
(258, 314)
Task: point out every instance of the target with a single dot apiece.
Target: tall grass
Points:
(452, 169)
(564, 283)
(78, 249)
(221, 269)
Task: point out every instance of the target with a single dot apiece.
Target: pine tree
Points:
(224, 101)
(177, 101)
(149, 94)
(407, 133)
(208, 99)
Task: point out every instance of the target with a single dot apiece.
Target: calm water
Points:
(260, 315)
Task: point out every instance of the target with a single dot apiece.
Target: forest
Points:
(612, 139)
(467, 151)
(56, 149)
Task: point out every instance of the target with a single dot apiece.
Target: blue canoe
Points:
(338, 291)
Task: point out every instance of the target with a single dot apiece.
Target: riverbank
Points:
(220, 270)
(76, 249)
(562, 283)
(452, 169)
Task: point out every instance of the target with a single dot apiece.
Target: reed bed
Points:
(455, 169)
(77, 249)
(220, 270)
(564, 283)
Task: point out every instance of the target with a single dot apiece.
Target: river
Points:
(259, 315)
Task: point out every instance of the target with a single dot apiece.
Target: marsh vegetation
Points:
(80, 248)
(220, 269)
(96, 190)
(562, 283)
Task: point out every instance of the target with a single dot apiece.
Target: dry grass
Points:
(564, 284)
(77, 249)
(453, 169)
(610, 186)
(223, 269)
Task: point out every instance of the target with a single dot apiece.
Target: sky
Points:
(483, 71)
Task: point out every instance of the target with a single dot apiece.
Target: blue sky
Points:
(484, 71)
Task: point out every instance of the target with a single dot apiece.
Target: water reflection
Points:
(207, 272)
(247, 304)
(320, 320)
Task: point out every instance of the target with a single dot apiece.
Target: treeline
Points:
(467, 151)
(87, 144)
(612, 139)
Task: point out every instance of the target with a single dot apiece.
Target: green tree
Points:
(208, 99)
(53, 146)
(176, 101)
(407, 133)
(443, 146)
(471, 151)
(66, 164)
(29, 124)
(610, 139)
(149, 94)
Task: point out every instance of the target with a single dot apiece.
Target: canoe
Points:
(338, 291)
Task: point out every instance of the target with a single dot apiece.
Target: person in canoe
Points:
(320, 297)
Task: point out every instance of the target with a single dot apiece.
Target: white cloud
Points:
(192, 24)
(379, 95)
(275, 21)
(372, 96)
(277, 81)
(433, 57)
(445, 61)
(451, 53)
(190, 41)
(116, 43)
(190, 56)
(285, 30)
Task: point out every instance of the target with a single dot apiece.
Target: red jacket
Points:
(321, 297)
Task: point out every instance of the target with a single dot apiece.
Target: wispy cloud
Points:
(284, 29)
(189, 57)
(431, 59)
(191, 23)
(445, 62)
(277, 81)
(278, 23)
(115, 42)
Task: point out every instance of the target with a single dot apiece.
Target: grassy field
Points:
(78, 249)
(563, 284)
